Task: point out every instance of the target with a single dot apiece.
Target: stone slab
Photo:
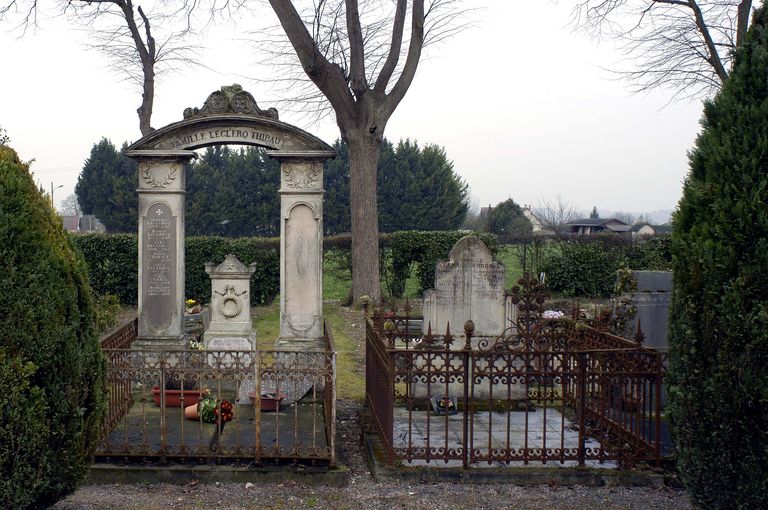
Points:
(653, 281)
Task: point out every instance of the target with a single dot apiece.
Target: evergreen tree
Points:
(418, 189)
(336, 212)
(594, 214)
(233, 193)
(718, 373)
(51, 365)
(508, 222)
(107, 185)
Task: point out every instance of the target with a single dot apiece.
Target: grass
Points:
(350, 381)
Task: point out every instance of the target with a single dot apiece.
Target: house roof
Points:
(657, 229)
(596, 222)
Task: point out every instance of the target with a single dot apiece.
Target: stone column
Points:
(301, 250)
(161, 246)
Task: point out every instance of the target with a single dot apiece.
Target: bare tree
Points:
(555, 214)
(70, 206)
(124, 33)
(626, 217)
(684, 45)
(353, 52)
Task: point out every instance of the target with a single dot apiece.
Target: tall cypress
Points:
(718, 384)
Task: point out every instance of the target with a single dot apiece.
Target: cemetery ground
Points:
(361, 490)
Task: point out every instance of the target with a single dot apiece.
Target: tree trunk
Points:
(364, 149)
(147, 100)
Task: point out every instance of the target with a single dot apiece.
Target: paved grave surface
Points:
(491, 430)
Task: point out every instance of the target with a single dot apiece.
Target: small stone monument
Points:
(469, 285)
(230, 327)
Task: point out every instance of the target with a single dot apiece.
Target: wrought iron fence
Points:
(546, 391)
(150, 389)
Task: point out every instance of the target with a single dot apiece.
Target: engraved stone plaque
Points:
(158, 256)
(469, 285)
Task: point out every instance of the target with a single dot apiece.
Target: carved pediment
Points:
(230, 99)
(230, 266)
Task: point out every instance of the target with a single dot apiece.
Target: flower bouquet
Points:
(210, 410)
(192, 306)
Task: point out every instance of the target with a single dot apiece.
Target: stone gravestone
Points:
(230, 327)
(469, 285)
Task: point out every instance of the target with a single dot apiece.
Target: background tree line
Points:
(233, 192)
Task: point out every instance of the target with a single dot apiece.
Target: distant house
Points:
(83, 224)
(538, 226)
(589, 226)
(71, 223)
(646, 229)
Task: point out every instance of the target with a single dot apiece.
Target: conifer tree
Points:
(51, 366)
(107, 185)
(718, 384)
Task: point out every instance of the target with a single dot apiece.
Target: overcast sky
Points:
(520, 103)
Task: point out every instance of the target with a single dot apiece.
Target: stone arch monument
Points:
(229, 116)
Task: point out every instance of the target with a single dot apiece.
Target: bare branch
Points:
(683, 45)
(394, 51)
(414, 55)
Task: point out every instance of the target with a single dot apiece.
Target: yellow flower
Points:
(190, 302)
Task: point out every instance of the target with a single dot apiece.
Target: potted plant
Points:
(210, 410)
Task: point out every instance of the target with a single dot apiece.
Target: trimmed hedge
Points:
(113, 262)
(51, 366)
(586, 266)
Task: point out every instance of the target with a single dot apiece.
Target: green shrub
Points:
(51, 366)
(423, 249)
(113, 264)
(718, 372)
(265, 252)
(106, 308)
(586, 266)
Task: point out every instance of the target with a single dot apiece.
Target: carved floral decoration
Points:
(149, 177)
(302, 177)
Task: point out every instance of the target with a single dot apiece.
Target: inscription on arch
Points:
(206, 136)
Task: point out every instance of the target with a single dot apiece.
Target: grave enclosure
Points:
(154, 379)
(229, 116)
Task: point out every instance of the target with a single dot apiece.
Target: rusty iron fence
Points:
(119, 390)
(149, 390)
(546, 391)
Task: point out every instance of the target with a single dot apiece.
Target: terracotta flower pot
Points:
(190, 412)
(268, 402)
(173, 397)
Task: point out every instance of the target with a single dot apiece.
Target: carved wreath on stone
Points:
(230, 295)
(301, 177)
(146, 174)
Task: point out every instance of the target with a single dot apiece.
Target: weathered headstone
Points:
(469, 285)
(230, 327)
